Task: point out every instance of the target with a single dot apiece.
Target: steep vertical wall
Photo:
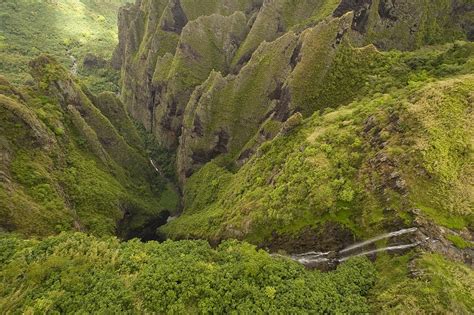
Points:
(219, 78)
(155, 38)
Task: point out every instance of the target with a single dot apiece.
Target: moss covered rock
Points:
(73, 161)
(364, 166)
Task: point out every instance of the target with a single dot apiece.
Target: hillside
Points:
(404, 144)
(226, 87)
(72, 160)
(250, 156)
(68, 30)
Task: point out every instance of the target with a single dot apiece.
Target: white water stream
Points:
(385, 249)
(154, 166)
(313, 257)
(378, 238)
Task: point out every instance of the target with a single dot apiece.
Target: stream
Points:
(75, 66)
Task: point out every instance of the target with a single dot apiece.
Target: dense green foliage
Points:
(78, 273)
(291, 124)
(71, 160)
(61, 29)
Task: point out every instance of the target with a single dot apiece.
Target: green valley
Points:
(250, 156)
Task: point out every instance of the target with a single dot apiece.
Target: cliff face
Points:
(218, 79)
(163, 59)
(73, 161)
(220, 82)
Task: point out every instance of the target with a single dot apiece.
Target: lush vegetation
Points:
(422, 284)
(81, 274)
(73, 160)
(272, 122)
(405, 146)
(67, 30)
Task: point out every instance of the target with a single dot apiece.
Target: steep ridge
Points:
(156, 29)
(167, 50)
(73, 161)
(350, 172)
(221, 85)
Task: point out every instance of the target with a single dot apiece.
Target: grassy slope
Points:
(424, 284)
(67, 166)
(31, 27)
(330, 169)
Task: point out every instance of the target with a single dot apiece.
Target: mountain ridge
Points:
(263, 156)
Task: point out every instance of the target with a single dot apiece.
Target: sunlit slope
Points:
(63, 29)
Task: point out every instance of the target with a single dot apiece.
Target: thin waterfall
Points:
(311, 257)
(378, 238)
(309, 254)
(385, 249)
(314, 257)
(154, 166)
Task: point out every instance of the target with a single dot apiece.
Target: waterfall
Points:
(311, 257)
(332, 258)
(154, 166)
(385, 249)
(309, 254)
(378, 238)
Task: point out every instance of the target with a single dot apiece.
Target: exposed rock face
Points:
(361, 8)
(404, 24)
(330, 237)
(233, 106)
(191, 71)
(126, 17)
(151, 30)
(176, 18)
(206, 44)
(434, 239)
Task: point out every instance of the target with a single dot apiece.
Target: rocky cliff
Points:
(216, 80)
